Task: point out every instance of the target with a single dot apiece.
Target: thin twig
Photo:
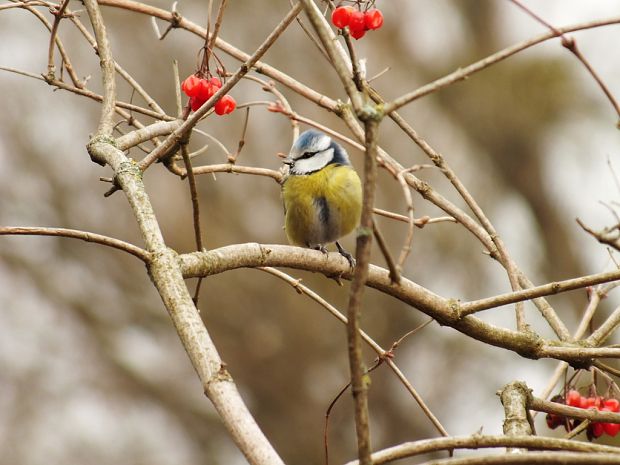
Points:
(87, 93)
(406, 249)
(336, 57)
(106, 121)
(150, 101)
(58, 15)
(381, 353)
(546, 289)
(76, 234)
(232, 158)
(573, 412)
(172, 140)
(218, 24)
(282, 100)
(195, 210)
(606, 329)
(571, 45)
(385, 251)
(588, 314)
(608, 236)
(464, 72)
(313, 39)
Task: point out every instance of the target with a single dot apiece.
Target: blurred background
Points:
(91, 369)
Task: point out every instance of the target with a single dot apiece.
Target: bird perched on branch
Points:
(322, 193)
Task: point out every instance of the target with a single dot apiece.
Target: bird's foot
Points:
(321, 248)
(346, 255)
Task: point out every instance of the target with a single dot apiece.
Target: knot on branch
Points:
(515, 398)
(569, 43)
(95, 154)
(341, 108)
(370, 112)
(175, 19)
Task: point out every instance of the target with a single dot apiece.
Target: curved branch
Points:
(76, 234)
(410, 449)
(445, 311)
(161, 128)
(463, 73)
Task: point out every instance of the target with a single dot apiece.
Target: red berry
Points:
(373, 19)
(573, 398)
(357, 33)
(612, 404)
(215, 82)
(596, 430)
(341, 16)
(611, 428)
(225, 105)
(553, 420)
(191, 85)
(196, 103)
(590, 402)
(205, 90)
(356, 20)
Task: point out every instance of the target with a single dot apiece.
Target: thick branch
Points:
(517, 420)
(445, 311)
(336, 55)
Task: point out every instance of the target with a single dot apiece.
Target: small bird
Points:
(322, 193)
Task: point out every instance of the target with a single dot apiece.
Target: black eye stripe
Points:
(308, 155)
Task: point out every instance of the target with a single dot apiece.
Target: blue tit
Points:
(322, 193)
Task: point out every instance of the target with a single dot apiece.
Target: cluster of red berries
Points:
(199, 90)
(574, 399)
(359, 22)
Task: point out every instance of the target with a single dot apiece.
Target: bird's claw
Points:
(322, 249)
(346, 255)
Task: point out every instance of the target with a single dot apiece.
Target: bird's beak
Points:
(288, 161)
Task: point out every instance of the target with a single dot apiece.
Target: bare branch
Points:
(517, 421)
(106, 122)
(546, 289)
(445, 311)
(608, 236)
(76, 234)
(381, 353)
(410, 449)
(463, 73)
(172, 140)
(571, 44)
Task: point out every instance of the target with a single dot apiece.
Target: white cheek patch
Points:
(314, 163)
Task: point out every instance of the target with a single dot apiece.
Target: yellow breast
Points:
(323, 206)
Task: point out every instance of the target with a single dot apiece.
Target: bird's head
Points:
(313, 151)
